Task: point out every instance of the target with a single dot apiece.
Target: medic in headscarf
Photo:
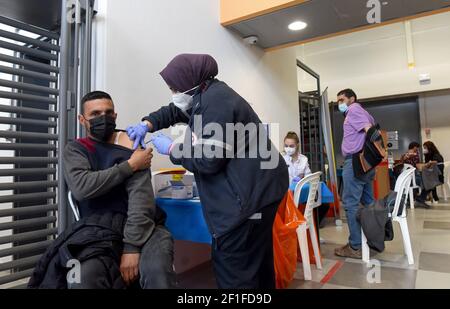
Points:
(240, 187)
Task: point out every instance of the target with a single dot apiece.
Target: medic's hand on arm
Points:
(86, 183)
(166, 117)
(204, 164)
(141, 211)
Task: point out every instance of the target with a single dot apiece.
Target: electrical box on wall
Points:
(392, 142)
(424, 79)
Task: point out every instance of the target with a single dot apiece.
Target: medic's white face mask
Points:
(182, 100)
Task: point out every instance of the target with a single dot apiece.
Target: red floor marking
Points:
(332, 272)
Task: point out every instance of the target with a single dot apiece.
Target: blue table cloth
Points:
(327, 195)
(185, 220)
(185, 217)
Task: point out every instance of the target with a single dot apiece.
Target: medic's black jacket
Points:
(231, 189)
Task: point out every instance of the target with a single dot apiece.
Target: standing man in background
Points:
(356, 190)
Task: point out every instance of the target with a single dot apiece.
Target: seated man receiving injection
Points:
(113, 189)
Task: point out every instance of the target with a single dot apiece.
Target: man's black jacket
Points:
(98, 236)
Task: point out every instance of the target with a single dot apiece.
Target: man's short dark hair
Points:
(94, 95)
(348, 93)
(413, 145)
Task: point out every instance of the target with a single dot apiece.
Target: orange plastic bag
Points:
(285, 244)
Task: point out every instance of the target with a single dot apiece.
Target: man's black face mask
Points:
(102, 127)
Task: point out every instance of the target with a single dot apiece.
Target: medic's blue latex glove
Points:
(162, 143)
(137, 134)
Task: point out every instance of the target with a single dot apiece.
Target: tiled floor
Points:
(435, 225)
(432, 280)
(430, 236)
(436, 262)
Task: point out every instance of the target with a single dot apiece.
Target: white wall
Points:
(435, 115)
(374, 62)
(136, 39)
(143, 36)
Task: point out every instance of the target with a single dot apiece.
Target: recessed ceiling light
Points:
(297, 25)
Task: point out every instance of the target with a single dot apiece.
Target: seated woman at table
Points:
(297, 163)
(432, 157)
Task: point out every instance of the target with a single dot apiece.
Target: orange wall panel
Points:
(233, 11)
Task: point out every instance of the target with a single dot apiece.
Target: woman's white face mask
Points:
(290, 151)
(182, 100)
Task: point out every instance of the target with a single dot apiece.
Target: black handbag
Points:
(372, 154)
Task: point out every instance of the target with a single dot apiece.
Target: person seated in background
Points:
(297, 163)
(121, 240)
(412, 157)
(298, 167)
(432, 157)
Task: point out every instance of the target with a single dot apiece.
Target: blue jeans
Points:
(156, 262)
(356, 191)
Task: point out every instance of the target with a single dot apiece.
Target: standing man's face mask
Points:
(343, 108)
(102, 127)
(344, 103)
(182, 100)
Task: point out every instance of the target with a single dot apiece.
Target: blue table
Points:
(327, 195)
(185, 219)
(186, 222)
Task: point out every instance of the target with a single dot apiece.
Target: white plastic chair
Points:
(402, 188)
(314, 191)
(413, 185)
(74, 206)
(446, 186)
